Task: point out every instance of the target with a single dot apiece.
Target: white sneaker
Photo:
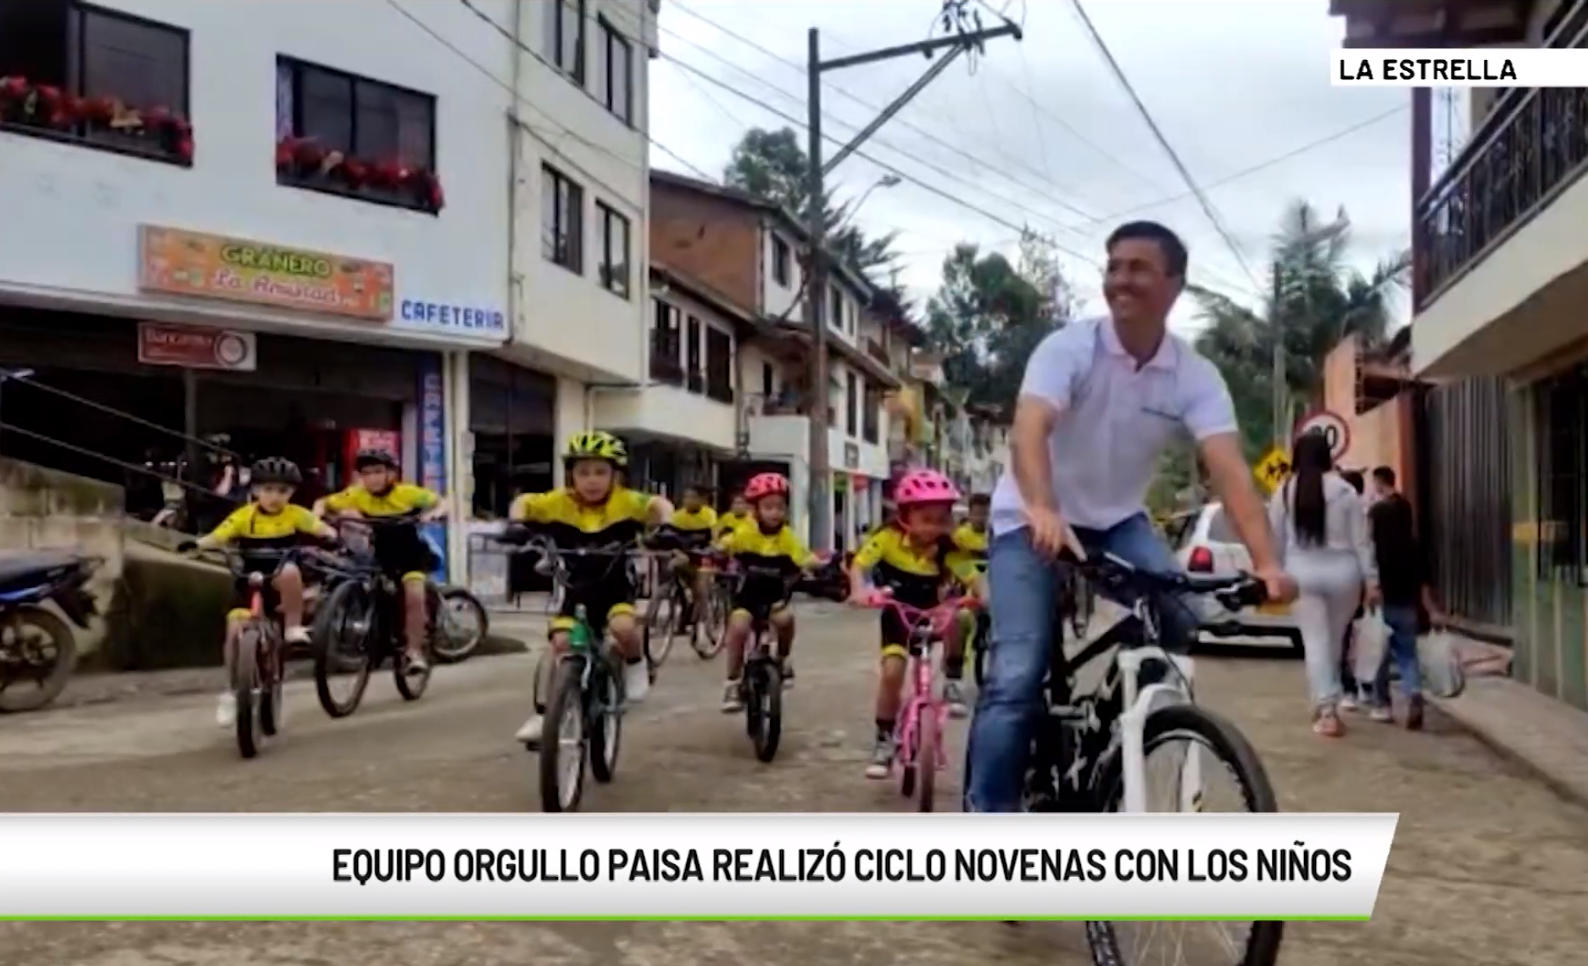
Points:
(297, 634)
(732, 700)
(226, 710)
(529, 732)
(636, 682)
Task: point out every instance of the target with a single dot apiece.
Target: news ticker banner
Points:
(1490, 67)
(692, 866)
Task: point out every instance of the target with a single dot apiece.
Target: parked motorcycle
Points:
(38, 650)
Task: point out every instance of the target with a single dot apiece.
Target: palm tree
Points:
(1318, 299)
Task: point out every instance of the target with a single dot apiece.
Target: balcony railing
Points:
(1530, 148)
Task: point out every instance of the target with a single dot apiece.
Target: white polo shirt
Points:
(1115, 419)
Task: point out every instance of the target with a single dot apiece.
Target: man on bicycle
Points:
(1100, 400)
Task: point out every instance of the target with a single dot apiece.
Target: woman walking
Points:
(1322, 529)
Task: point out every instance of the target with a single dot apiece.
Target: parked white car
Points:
(1205, 543)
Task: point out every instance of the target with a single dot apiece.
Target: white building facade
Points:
(219, 222)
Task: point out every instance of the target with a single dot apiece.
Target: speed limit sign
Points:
(1336, 430)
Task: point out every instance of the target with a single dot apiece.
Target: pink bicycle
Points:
(918, 736)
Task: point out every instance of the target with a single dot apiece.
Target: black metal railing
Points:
(1532, 145)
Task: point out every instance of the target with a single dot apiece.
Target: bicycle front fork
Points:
(1139, 703)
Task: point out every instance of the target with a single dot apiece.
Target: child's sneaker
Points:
(732, 699)
(881, 759)
(954, 697)
(1382, 713)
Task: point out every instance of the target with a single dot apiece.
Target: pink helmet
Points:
(924, 486)
(765, 484)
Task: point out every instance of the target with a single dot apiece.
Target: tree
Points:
(1316, 300)
(988, 315)
(772, 165)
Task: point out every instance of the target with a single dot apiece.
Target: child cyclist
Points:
(738, 512)
(765, 540)
(594, 510)
(260, 529)
(971, 538)
(696, 524)
(917, 559)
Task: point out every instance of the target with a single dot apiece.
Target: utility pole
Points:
(1277, 323)
(964, 39)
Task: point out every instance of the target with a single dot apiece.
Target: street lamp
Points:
(886, 181)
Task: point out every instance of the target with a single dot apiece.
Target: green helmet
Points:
(597, 445)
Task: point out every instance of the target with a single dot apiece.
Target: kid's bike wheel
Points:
(660, 627)
(764, 708)
(708, 644)
(925, 759)
(563, 743)
(270, 686)
(245, 678)
(604, 715)
(342, 628)
(410, 685)
(1222, 742)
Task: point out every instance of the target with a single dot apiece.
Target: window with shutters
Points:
(719, 365)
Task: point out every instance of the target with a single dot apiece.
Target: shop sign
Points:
(470, 321)
(189, 263)
(196, 347)
(432, 426)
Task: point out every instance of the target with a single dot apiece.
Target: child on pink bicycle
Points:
(917, 560)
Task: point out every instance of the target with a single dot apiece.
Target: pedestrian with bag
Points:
(1405, 587)
(1321, 527)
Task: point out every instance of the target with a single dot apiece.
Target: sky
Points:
(1041, 131)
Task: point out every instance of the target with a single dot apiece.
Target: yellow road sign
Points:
(1272, 469)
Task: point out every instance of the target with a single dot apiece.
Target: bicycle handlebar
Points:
(1108, 571)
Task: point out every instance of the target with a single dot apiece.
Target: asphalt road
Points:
(1488, 867)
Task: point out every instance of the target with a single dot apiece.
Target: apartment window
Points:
(835, 308)
(696, 377)
(782, 269)
(386, 136)
(561, 220)
(565, 36)
(768, 381)
(719, 365)
(1562, 418)
(871, 414)
(851, 405)
(95, 77)
(617, 58)
(614, 250)
(666, 344)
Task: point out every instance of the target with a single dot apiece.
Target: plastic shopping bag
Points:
(1368, 644)
(1443, 676)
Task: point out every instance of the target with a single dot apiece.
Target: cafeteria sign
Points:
(235, 270)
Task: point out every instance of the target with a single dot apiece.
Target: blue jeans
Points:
(1022, 586)
(1402, 621)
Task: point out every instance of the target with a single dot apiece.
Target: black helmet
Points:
(367, 458)
(275, 469)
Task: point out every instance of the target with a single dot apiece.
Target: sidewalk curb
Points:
(1572, 791)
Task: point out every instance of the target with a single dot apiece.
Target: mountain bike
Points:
(918, 735)
(358, 625)
(761, 682)
(584, 702)
(255, 652)
(1090, 750)
(673, 610)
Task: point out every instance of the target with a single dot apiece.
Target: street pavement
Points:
(1489, 866)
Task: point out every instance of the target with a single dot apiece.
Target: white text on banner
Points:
(687, 866)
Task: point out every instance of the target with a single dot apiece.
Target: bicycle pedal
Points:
(1067, 712)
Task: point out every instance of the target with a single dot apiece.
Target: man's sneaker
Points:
(1382, 713)
(881, 759)
(226, 710)
(529, 732)
(732, 698)
(297, 634)
(954, 696)
(636, 682)
(1414, 713)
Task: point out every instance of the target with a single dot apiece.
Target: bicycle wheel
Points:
(245, 679)
(714, 634)
(604, 715)
(925, 758)
(766, 698)
(270, 686)
(342, 629)
(660, 626)
(1225, 743)
(563, 743)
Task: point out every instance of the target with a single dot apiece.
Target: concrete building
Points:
(1500, 274)
(751, 253)
(310, 240)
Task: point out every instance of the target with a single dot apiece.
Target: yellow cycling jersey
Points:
(730, 521)
(916, 573)
(571, 523)
(249, 526)
(399, 500)
(971, 541)
(779, 549)
(704, 518)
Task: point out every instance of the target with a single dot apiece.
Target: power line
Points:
(1163, 142)
(900, 121)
